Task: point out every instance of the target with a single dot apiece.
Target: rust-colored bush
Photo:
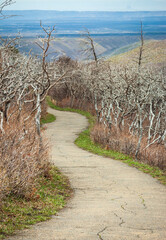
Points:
(85, 106)
(126, 143)
(43, 108)
(23, 157)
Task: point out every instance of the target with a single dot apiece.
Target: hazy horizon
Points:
(84, 10)
(90, 5)
(113, 31)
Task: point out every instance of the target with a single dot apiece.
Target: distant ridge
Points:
(72, 22)
(112, 31)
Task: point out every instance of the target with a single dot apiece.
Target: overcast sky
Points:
(90, 5)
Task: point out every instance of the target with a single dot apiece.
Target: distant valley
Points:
(113, 32)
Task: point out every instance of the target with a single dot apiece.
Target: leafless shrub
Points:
(127, 144)
(23, 157)
(129, 102)
(24, 84)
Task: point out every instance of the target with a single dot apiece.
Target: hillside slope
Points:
(154, 53)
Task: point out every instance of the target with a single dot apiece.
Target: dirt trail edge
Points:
(112, 201)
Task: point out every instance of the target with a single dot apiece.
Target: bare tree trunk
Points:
(141, 49)
(38, 114)
(90, 45)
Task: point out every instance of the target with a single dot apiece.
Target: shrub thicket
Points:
(129, 102)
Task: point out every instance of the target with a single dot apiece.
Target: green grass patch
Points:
(85, 142)
(50, 196)
(48, 118)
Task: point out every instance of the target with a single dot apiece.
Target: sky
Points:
(89, 5)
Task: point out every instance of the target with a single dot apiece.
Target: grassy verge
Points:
(84, 141)
(48, 118)
(50, 195)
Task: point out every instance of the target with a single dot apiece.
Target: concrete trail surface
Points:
(112, 201)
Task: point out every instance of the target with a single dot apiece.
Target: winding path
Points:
(111, 200)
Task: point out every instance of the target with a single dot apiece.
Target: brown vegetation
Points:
(126, 143)
(129, 103)
(23, 157)
(24, 84)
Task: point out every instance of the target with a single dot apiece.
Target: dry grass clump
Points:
(23, 156)
(118, 140)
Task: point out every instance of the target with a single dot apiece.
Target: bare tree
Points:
(26, 79)
(139, 59)
(89, 45)
(141, 49)
(122, 105)
(24, 84)
(4, 4)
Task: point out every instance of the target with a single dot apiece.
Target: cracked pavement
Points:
(111, 201)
